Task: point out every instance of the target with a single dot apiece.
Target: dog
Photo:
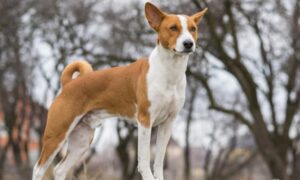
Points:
(149, 92)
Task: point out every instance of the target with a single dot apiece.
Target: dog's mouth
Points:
(184, 52)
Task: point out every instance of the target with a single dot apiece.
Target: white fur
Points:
(78, 144)
(184, 36)
(163, 137)
(166, 82)
(144, 135)
(95, 118)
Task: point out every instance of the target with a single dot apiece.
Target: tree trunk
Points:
(187, 135)
(296, 165)
(2, 160)
(270, 155)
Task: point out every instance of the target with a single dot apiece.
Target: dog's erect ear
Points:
(154, 15)
(198, 16)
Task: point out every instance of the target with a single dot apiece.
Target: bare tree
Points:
(225, 21)
(18, 106)
(266, 73)
(221, 160)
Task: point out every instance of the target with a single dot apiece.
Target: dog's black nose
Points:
(188, 44)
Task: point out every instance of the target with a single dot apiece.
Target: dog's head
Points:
(177, 33)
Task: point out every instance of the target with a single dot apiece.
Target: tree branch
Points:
(214, 105)
(269, 76)
(232, 25)
(293, 105)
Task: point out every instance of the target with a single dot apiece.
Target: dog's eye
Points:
(174, 28)
(193, 29)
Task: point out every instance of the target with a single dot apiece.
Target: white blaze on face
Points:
(184, 36)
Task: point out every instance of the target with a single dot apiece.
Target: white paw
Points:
(151, 179)
(158, 177)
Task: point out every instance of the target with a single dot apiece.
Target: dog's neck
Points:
(168, 65)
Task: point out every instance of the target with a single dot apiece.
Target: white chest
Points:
(166, 82)
(165, 104)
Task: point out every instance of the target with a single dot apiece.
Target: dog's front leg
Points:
(144, 136)
(163, 137)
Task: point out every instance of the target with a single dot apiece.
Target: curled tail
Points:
(82, 66)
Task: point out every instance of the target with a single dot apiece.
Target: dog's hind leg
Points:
(78, 143)
(56, 133)
(50, 149)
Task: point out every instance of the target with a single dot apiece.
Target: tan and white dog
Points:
(149, 92)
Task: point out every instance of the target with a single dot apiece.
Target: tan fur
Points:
(167, 37)
(198, 16)
(121, 91)
(154, 16)
(162, 22)
(192, 24)
(82, 66)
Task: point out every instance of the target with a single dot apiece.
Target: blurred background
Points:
(241, 118)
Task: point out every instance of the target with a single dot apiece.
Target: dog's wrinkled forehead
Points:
(175, 32)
